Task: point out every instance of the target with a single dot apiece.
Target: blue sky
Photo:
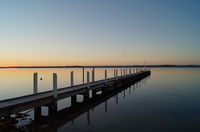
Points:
(99, 32)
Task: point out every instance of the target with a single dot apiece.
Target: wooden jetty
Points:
(49, 99)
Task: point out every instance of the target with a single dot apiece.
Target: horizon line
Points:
(70, 66)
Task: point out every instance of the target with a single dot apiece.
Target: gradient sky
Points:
(99, 32)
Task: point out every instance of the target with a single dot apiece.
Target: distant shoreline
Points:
(111, 66)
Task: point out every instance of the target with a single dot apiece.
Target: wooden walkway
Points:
(19, 104)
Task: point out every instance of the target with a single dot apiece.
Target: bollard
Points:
(55, 92)
(105, 76)
(121, 72)
(35, 83)
(93, 74)
(88, 79)
(83, 74)
(116, 74)
(72, 78)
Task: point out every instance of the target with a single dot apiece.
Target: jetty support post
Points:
(93, 74)
(83, 70)
(73, 98)
(106, 76)
(35, 83)
(37, 110)
(53, 105)
(88, 79)
(86, 94)
(72, 78)
(114, 73)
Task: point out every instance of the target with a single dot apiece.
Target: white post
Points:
(105, 76)
(114, 73)
(72, 78)
(88, 79)
(35, 83)
(124, 72)
(121, 72)
(55, 93)
(93, 75)
(83, 74)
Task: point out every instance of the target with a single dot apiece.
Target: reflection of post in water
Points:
(117, 98)
(124, 94)
(88, 117)
(72, 121)
(106, 106)
(134, 87)
(145, 82)
(139, 83)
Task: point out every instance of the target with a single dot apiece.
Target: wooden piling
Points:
(72, 78)
(55, 93)
(83, 74)
(35, 83)
(93, 74)
(88, 79)
(37, 110)
(105, 76)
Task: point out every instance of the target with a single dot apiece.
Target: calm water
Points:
(168, 100)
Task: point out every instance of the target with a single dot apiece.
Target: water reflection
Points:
(69, 114)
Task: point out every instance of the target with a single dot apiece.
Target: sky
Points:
(99, 32)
